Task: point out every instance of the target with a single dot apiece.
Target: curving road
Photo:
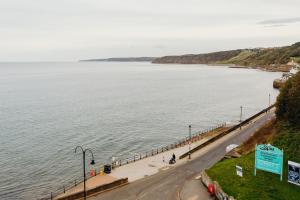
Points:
(179, 182)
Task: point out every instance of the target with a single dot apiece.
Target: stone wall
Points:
(117, 183)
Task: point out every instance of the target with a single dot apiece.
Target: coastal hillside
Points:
(207, 58)
(273, 59)
(123, 59)
(284, 133)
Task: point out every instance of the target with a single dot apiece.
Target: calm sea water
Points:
(116, 109)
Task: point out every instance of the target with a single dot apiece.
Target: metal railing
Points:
(182, 142)
(194, 138)
(238, 126)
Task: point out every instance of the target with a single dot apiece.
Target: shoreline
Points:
(285, 68)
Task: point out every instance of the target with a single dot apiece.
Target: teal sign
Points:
(268, 158)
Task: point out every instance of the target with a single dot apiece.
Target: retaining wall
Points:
(98, 189)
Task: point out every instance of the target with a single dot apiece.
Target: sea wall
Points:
(102, 188)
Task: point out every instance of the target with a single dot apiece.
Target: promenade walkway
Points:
(90, 184)
(141, 168)
(152, 165)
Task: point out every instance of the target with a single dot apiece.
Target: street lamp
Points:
(83, 159)
(190, 137)
(241, 115)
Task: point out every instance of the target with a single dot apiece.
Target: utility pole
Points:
(241, 115)
(190, 137)
(269, 99)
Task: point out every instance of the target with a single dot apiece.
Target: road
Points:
(177, 183)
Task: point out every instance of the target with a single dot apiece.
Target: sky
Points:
(70, 30)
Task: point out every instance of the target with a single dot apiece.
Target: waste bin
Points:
(107, 169)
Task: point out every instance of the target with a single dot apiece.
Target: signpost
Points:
(294, 173)
(239, 171)
(268, 158)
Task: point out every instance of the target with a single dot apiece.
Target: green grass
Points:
(239, 58)
(264, 185)
(265, 57)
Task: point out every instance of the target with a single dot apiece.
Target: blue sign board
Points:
(268, 158)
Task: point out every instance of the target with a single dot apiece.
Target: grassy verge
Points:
(264, 185)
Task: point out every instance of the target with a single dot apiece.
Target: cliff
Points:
(272, 59)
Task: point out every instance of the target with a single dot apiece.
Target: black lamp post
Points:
(83, 159)
(190, 140)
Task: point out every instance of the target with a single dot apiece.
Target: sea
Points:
(116, 109)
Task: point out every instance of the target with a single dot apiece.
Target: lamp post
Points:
(190, 137)
(83, 159)
(241, 115)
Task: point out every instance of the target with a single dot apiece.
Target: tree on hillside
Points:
(288, 101)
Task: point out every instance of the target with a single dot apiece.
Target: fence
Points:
(227, 132)
(194, 138)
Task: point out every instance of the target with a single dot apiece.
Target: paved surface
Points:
(90, 184)
(194, 190)
(144, 167)
(178, 182)
(153, 164)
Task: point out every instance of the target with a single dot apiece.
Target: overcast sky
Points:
(69, 30)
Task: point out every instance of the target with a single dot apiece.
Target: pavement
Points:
(194, 190)
(154, 164)
(178, 182)
(90, 184)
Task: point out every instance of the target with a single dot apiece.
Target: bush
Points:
(288, 101)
